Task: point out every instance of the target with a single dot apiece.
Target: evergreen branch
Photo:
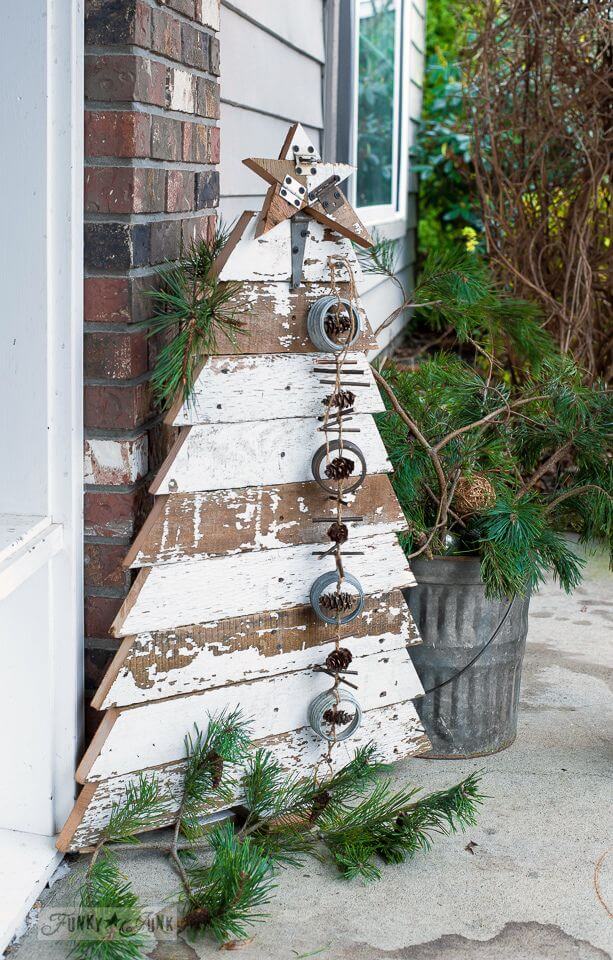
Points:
(142, 805)
(193, 308)
(106, 897)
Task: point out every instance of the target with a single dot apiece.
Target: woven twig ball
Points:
(473, 494)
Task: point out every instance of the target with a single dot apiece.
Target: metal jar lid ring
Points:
(331, 486)
(328, 701)
(326, 308)
(320, 586)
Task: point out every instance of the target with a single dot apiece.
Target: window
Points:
(366, 104)
(377, 110)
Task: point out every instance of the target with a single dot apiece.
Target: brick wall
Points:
(151, 147)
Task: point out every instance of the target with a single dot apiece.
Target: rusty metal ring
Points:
(326, 701)
(331, 486)
(316, 321)
(320, 586)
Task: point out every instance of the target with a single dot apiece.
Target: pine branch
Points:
(194, 308)
(107, 898)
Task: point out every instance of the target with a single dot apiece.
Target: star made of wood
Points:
(300, 180)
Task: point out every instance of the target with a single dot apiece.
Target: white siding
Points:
(272, 74)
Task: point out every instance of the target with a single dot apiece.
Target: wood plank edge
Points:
(91, 754)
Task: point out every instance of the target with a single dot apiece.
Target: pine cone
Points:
(216, 766)
(338, 602)
(336, 717)
(343, 399)
(338, 532)
(320, 802)
(340, 468)
(339, 659)
(195, 919)
(337, 324)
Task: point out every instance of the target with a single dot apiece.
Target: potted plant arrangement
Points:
(500, 449)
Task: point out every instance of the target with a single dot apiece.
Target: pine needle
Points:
(194, 309)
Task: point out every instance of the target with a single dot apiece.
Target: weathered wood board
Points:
(144, 736)
(263, 453)
(186, 525)
(396, 731)
(159, 664)
(204, 589)
(242, 389)
(275, 318)
(268, 257)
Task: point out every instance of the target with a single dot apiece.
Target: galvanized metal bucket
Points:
(476, 714)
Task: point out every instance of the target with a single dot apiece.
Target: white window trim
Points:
(390, 219)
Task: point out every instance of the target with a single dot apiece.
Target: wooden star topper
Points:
(300, 180)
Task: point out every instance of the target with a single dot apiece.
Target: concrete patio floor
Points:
(527, 891)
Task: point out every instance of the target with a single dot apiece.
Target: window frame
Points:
(389, 218)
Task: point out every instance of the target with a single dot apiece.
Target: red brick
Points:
(108, 22)
(166, 35)
(124, 190)
(125, 78)
(99, 614)
(165, 240)
(187, 141)
(200, 146)
(120, 356)
(109, 189)
(112, 461)
(117, 134)
(187, 7)
(165, 138)
(106, 300)
(115, 514)
(207, 98)
(214, 144)
(179, 190)
(195, 229)
(103, 565)
(116, 406)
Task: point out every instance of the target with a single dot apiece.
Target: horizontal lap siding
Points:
(272, 76)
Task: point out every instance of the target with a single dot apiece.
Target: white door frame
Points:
(41, 435)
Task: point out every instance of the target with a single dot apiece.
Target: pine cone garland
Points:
(336, 717)
(343, 399)
(216, 766)
(340, 468)
(339, 602)
(337, 325)
(339, 659)
(473, 494)
(195, 919)
(320, 802)
(338, 532)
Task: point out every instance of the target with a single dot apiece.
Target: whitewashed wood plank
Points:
(268, 387)
(219, 456)
(275, 317)
(269, 257)
(262, 72)
(184, 525)
(153, 734)
(396, 730)
(201, 590)
(155, 665)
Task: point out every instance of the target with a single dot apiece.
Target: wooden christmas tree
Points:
(270, 574)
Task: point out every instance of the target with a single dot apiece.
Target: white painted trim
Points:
(27, 862)
(396, 211)
(65, 97)
(35, 543)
